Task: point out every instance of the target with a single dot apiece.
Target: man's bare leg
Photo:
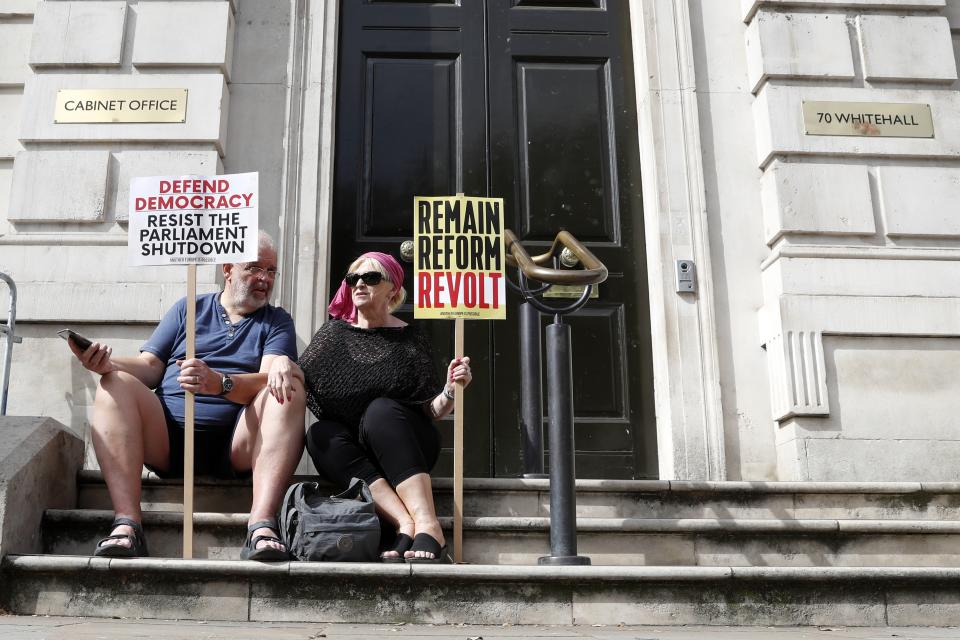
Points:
(269, 440)
(128, 429)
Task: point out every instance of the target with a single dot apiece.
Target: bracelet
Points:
(447, 394)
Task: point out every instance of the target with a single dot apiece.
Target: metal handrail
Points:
(563, 499)
(8, 330)
(593, 272)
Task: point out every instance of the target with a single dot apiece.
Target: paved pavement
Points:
(48, 628)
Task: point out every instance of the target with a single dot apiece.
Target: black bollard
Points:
(563, 497)
(531, 396)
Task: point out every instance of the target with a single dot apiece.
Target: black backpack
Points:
(340, 528)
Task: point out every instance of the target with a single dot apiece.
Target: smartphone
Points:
(79, 340)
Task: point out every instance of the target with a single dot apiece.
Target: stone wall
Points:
(64, 187)
(16, 29)
(861, 304)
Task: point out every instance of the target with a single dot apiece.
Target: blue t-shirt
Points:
(224, 346)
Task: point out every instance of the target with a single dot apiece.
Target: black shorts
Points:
(211, 451)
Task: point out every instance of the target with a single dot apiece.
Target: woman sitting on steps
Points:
(370, 381)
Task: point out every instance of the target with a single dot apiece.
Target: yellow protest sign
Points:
(458, 258)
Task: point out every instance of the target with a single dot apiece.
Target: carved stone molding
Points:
(305, 229)
(793, 327)
(690, 435)
(798, 381)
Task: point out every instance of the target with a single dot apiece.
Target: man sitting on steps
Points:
(243, 422)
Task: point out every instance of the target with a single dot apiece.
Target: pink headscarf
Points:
(342, 304)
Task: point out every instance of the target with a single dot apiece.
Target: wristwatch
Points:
(226, 384)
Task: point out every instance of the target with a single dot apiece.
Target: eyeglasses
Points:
(256, 272)
(370, 278)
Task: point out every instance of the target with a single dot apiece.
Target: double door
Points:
(531, 101)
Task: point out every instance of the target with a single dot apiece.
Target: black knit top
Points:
(347, 368)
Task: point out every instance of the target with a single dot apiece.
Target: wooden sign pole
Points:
(458, 450)
(188, 416)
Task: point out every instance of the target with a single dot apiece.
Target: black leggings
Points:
(394, 442)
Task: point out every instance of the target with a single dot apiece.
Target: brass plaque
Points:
(120, 105)
(573, 291)
(877, 119)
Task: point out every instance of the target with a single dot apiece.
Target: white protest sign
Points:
(193, 219)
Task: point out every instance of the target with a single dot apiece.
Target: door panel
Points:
(574, 192)
(602, 392)
(525, 100)
(410, 144)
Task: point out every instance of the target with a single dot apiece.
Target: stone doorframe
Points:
(684, 338)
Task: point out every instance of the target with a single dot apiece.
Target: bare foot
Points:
(120, 530)
(267, 544)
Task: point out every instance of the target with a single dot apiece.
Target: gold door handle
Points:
(593, 272)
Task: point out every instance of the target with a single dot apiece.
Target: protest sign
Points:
(458, 274)
(458, 258)
(193, 219)
(186, 220)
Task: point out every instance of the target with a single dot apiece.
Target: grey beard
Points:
(242, 296)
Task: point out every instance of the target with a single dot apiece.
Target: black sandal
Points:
(138, 542)
(403, 543)
(426, 542)
(264, 554)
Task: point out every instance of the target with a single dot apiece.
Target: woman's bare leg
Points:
(416, 492)
(392, 509)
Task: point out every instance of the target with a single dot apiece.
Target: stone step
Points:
(611, 498)
(478, 594)
(608, 541)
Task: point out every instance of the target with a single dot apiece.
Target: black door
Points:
(529, 100)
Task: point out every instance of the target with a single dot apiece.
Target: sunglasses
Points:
(370, 278)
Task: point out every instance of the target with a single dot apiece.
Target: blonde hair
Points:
(399, 297)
